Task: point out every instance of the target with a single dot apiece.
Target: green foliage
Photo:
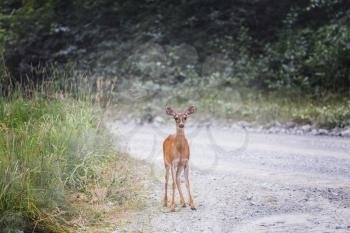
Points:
(326, 116)
(31, 16)
(312, 60)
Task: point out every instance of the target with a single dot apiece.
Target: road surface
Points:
(245, 182)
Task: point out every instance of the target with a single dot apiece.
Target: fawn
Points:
(176, 153)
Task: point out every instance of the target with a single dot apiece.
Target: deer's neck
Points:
(180, 138)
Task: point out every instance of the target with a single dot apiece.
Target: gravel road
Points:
(246, 182)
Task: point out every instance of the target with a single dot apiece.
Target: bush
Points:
(311, 60)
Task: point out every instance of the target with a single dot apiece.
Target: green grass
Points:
(226, 104)
(265, 108)
(50, 151)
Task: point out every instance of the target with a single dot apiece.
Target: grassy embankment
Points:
(58, 170)
(218, 103)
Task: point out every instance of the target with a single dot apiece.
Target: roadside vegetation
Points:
(231, 105)
(58, 170)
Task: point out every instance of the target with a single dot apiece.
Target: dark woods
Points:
(260, 44)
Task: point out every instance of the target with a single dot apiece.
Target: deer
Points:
(176, 153)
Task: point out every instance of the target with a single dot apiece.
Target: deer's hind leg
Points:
(186, 173)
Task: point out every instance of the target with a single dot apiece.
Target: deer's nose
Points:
(181, 125)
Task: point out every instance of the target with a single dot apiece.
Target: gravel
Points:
(247, 179)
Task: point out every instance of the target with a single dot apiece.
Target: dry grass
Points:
(102, 208)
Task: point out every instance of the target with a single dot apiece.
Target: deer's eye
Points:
(176, 118)
(185, 118)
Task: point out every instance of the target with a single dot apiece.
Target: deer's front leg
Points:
(165, 201)
(172, 205)
(178, 183)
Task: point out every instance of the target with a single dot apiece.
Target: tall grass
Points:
(48, 148)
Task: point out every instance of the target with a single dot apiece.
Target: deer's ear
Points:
(169, 111)
(190, 110)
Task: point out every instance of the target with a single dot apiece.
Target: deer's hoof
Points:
(172, 209)
(183, 204)
(193, 208)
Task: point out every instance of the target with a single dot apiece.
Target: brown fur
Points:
(176, 153)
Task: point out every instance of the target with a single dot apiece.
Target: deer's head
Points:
(180, 118)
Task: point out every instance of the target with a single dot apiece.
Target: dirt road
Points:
(246, 182)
